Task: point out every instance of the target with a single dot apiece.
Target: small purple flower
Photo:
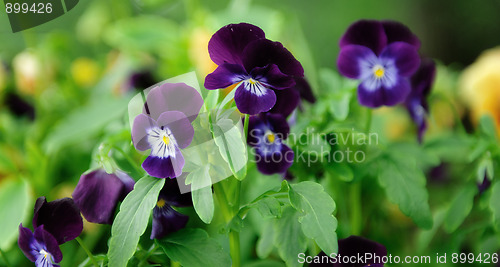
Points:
(165, 128)
(166, 220)
(416, 102)
(61, 218)
(41, 247)
(352, 246)
(382, 55)
(266, 133)
(97, 194)
(259, 66)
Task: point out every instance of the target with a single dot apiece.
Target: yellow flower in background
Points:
(480, 86)
(84, 71)
(198, 51)
(27, 70)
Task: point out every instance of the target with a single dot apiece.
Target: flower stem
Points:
(356, 212)
(5, 259)
(129, 159)
(91, 257)
(148, 254)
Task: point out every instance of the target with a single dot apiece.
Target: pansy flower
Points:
(257, 65)
(39, 247)
(288, 100)
(55, 223)
(97, 194)
(383, 56)
(351, 247)
(165, 128)
(266, 133)
(166, 220)
(416, 102)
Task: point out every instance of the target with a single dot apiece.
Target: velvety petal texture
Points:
(266, 134)
(254, 98)
(173, 96)
(166, 220)
(97, 194)
(61, 218)
(225, 75)
(39, 247)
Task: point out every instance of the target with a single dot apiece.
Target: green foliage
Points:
(193, 247)
(494, 206)
(460, 207)
(15, 201)
(132, 220)
(289, 238)
(201, 193)
(315, 207)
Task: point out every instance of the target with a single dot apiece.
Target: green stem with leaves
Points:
(91, 257)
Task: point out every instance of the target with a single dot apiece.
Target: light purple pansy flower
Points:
(257, 65)
(416, 102)
(266, 134)
(354, 246)
(166, 220)
(39, 247)
(383, 56)
(165, 128)
(97, 194)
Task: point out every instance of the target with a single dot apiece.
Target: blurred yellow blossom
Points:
(27, 69)
(480, 86)
(84, 71)
(198, 51)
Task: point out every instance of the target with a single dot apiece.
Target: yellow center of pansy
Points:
(270, 137)
(161, 203)
(252, 81)
(166, 140)
(378, 71)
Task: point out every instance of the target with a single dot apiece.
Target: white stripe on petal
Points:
(162, 142)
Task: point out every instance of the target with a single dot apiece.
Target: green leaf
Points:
(193, 247)
(14, 204)
(316, 208)
(230, 140)
(269, 207)
(404, 185)
(132, 220)
(494, 207)
(425, 236)
(487, 126)
(460, 207)
(201, 193)
(211, 99)
(289, 238)
(265, 242)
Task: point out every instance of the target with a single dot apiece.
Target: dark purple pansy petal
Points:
(60, 217)
(174, 96)
(227, 44)
(273, 77)
(173, 196)
(276, 162)
(368, 33)
(263, 52)
(304, 89)
(24, 242)
(180, 126)
(482, 187)
(141, 80)
(97, 194)
(50, 243)
(166, 220)
(405, 57)
(418, 113)
(397, 32)
(169, 167)
(252, 103)
(142, 123)
(350, 59)
(255, 130)
(287, 101)
(225, 75)
(422, 80)
(383, 96)
(278, 124)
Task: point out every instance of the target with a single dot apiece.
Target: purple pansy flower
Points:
(382, 55)
(288, 100)
(97, 194)
(165, 128)
(352, 246)
(166, 220)
(61, 218)
(266, 133)
(259, 66)
(416, 102)
(39, 247)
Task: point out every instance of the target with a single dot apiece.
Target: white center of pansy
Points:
(162, 142)
(44, 253)
(270, 143)
(255, 87)
(378, 71)
(44, 259)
